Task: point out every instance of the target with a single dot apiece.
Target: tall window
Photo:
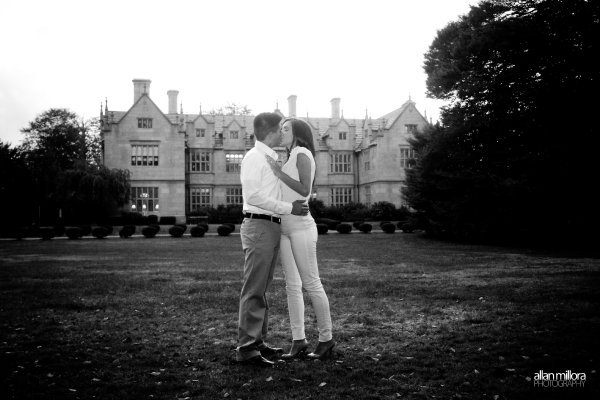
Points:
(144, 199)
(343, 135)
(144, 154)
(200, 197)
(233, 162)
(233, 195)
(367, 165)
(341, 163)
(368, 195)
(200, 132)
(234, 134)
(200, 161)
(411, 128)
(406, 154)
(341, 196)
(144, 122)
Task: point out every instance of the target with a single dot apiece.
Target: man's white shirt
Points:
(261, 189)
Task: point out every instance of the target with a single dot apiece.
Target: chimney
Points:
(335, 108)
(140, 87)
(172, 101)
(292, 106)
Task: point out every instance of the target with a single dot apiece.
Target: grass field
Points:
(414, 319)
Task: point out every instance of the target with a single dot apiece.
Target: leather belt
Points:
(271, 218)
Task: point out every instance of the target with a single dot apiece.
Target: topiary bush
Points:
(224, 230)
(184, 226)
(365, 228)
(357, 224)
(232, 226)
(59, 230)
(73, 232)
(204, 225)
(152, 219)
(150, 231)
(127, 231)
(100, 232)
(322, 229)
(197, 231)
(47, 232)
(86, 230)
(176, 231)
(383, 223)
(331, 223)
(109, 229)
(344, 228)
(407, 227)
(388, 228)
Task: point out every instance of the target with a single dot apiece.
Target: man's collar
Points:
(263, 148)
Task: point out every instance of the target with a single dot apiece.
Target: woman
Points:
(298, 246)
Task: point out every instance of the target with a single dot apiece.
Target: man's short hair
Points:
(265, 123)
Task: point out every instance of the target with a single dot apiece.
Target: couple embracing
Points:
(276, 220)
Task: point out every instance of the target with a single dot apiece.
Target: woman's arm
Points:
(301, 187)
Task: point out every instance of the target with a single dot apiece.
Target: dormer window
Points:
(234, 134)
(200, 132)
(145, 123)
(343, 135)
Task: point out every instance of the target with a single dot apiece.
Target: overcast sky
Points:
(74, 54)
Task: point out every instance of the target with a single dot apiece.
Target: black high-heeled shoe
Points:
(299, 349)
(324, 350)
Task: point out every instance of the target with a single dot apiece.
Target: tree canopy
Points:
(515, 148)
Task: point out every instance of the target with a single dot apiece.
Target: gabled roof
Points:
(135, 104)
(389, 119)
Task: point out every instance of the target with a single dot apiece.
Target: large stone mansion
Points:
(180, 162)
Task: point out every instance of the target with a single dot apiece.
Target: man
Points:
(260, 233)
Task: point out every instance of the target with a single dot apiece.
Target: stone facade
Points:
(179, 162)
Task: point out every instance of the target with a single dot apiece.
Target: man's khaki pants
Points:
(260, 242)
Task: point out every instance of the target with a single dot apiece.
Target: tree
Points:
(515, 148)
(15, 186)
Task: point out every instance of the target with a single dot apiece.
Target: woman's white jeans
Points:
(298, 250)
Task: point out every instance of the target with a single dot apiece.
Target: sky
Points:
(75, 54)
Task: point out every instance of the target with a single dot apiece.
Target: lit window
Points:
(233, 162)
(144, 199)
(144, 155)
(200, 197)
(233, 196)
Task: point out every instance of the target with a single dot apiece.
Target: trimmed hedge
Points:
(322, 229)
(365, 228)
(357, 224)
(204, 225)
(86, 230)
(150, 231)
(330, 223)
(197, 231)
(388, 228)
(184, 226)
(383, 223)
(344, 228)
(127, 231)
(224, 230)
(407, 227)
(100, 232)
(73, 232)
(176, 231)
(152, 219)
(232, 226)
(59, 230)
(167, 220)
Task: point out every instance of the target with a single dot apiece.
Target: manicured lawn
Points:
(414, 319)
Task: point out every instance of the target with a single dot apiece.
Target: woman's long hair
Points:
(302, 135)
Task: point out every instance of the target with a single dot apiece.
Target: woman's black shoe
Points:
(324, 350)
(299, 349)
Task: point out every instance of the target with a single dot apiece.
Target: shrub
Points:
(388, 228)
(383, 223)
(383, 210)
(73, 232)
(47, 233)
(152, 219)
(224, 230)
(127, 231)
(109, 229)
(176, 231)
(184, 226)
(344, 228)
(167, 220)
(20, 233)
(232, 226)
(197, 231)
(86, 230)
(204, 225)
(150, 231)
(100, 232)
(365, 228)
(316, 207)
(407, 227)
(322, 229)
(357, 224)
(331, 223)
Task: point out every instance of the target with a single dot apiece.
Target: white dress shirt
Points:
(260, 187)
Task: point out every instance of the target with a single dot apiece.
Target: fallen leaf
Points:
(510, 369)
(269, 379)
(476, 371)
(528, 378)
(322, 384)
(525, 357)
(155, 373)
(496, 397)
(452, 350)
